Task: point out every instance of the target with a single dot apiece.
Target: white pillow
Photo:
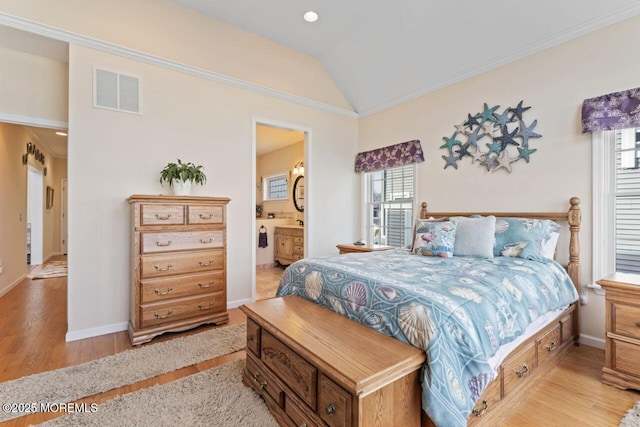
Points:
(475, 236)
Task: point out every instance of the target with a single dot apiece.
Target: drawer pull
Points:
(551, 346)
(202, 264)
(169, 313)
(169, 267)
(250, 338)
(479, 412)
(206, 286)
(204, 242)
(205, 307)
(303, 424)
(524, 372)
(158, 292)
(163, 217)
(167, 243)
(256, 376)
(331, 409)
(207, 216)
(263, 384)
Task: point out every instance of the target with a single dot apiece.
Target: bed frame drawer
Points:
(487, 401)
(548, 344)
(517, 369)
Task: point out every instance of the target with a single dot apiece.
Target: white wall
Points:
(114, 155)
(554, 83)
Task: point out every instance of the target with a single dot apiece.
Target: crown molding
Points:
(91, 43)
(569, 34)
(33, 121)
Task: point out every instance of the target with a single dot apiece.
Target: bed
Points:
(490, 325)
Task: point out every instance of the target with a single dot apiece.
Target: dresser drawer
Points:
(262, 382)
(253, 337)
(334, 403)
(486, 402)
(161, 214)
(626, 320)
(170, 311)
(299, 241)
(548, 344)
(296, 372)
(299, 416)
(180, 263)
(625, 357)
(181, 241)
(206, 214)
(153, 290)
(516, 369)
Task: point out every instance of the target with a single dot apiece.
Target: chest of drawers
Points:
(178, 266)
(314, 367)
(622, 351)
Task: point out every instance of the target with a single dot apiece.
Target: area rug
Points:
(128, 367)
(49, 270)
(215, 397)
(632, 419)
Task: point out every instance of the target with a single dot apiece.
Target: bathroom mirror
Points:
(298, 193)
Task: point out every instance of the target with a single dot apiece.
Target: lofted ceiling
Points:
(382, 52)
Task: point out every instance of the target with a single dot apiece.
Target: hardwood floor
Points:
(33, 326)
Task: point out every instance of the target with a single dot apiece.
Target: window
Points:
(389, 206)
(276, 187)
(616, 160)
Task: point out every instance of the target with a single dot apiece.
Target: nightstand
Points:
(351, 248)
(622, 352)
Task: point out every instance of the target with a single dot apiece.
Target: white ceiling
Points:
(383, 52)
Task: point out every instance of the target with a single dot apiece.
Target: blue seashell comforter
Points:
(459, 310)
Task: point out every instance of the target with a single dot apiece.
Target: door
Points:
(35, 214)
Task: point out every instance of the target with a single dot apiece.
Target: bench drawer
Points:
(334, 403)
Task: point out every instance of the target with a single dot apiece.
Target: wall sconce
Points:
(298, 169)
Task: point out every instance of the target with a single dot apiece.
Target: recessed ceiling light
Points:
(310, 16)
(61, 133)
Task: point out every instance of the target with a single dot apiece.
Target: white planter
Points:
(181, 188)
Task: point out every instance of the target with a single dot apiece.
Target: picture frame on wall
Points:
(49, 201)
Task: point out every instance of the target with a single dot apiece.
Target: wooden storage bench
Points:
(315, 367)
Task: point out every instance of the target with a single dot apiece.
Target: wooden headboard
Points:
(572, 216)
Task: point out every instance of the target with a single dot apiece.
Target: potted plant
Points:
(180, 176)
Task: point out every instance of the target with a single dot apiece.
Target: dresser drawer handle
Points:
(303, 424)
(207, 216)
(551, 346)
(169, 313)
(206, 286)
(163, 217)
(205, 307)
(157, 267)
(331, 409)
(204, 242)
(479, 412)
(524, 372)
(167, 243)
(263, 384)
(202, 264)
(163, 293)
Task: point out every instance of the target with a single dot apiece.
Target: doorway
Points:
(35, 208)
(280, 160)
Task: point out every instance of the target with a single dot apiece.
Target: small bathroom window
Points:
(276, 187)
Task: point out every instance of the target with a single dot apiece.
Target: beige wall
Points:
(195, 120)
(554, 83)
(174, 32)
(275, 162)
(13, 204)
(33, 86)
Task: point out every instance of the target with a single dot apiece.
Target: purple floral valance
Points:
(617, 110)
(392, 156)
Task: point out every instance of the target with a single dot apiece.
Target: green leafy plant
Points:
(182, 172)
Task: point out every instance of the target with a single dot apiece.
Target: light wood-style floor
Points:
(33, 326)
(267, 279)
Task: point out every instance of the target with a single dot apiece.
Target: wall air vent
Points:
(115, 91)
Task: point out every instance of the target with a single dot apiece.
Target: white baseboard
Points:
(51, 256)
(13, 284)
(238, 303)
(94, 332)
(592, 341)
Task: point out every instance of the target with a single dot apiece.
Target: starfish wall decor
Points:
(495, 140)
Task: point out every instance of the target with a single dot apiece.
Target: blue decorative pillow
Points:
(475, 236)
(526, 238)
(435, 238)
